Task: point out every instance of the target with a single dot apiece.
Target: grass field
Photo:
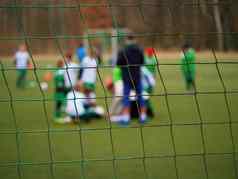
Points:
(173, 141)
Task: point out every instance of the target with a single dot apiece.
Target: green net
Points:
(193, 134)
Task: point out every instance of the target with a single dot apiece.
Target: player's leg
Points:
(116, 106)
(18, 80)
(80, 73)
(150, 110)
(21, 77)
(58, 113)
(189, 81)
(141, 102)
(92, 113)
(58, 105)
(24, 72)
(126, 103)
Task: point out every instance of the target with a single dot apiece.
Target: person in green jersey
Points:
(188, 66)
(150, 60)
(60, 90)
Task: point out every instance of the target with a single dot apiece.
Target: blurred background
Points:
(164, 24)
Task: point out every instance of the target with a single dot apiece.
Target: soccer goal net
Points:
(118, 89)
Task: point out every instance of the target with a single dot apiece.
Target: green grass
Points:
(89, 152)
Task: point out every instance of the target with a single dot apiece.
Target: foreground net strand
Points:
(20, 163)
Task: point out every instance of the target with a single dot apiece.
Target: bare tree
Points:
(217, 18)
(203, 6)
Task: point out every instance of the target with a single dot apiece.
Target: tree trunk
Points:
(227, 26)
(218, 23)
(203, 7)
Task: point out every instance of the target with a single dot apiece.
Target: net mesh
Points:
(193, 134)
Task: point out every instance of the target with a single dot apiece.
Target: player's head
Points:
(78, 86)
(22, 47)
(87, 88)
(150, 51)
(80, 44)
(109, 84)
(60, 63)
(130, 38)
(68, 56)
(92, 52)
(186, 46)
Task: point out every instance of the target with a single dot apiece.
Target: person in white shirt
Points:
(89, 76)
(21, 60)
(71, 72)
(75, 107)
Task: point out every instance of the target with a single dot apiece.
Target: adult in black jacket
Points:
(130, 59)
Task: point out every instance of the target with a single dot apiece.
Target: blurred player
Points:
(150, 60)
(22, 61)
(76, 109)
(81, 54)
(60, 91)
(115, 86)
(130, 59)
(188, 66)
(148, 83)
(89, 76)
(71, 72)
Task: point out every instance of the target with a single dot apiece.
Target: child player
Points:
(76, 109)
(115, 86)
(150, 60)
(21, 60)
(130, 59)
(117, 91)
(81, 54)
(89, 76)
(60, 92)
(71, 71)
(188, 66)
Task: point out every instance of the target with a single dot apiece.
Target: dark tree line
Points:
(160, 23)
